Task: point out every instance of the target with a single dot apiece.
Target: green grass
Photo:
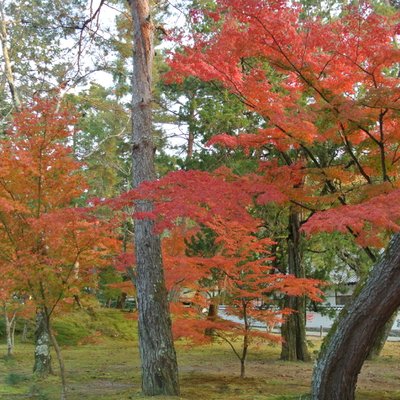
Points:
(105, 365)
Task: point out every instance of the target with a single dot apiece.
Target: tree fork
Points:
(335, 375)
(159, 364)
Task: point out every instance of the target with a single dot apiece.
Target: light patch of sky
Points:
(106, 20)
(176, 134)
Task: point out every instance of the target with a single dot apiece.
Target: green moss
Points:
(10, 390)
(114, 324)
(15, 379)
(378, 394)
(73, 329)
(70, 332)
(294, 397)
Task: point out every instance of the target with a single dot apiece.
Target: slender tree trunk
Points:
(340, 361)
(294, 345)
(121, 301)
(244, 356)
(24, 336)
(7, 61)
(42, 364)
(13, 324)
(159, 364)
(189, 154)
(12, 340)
(245, 341)
(212, 316)
(61, 364)
(191, 127)
(10, 330)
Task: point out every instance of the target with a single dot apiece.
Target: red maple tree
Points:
(328, 94)
(314, 84)
(239, 274)
(50, 248)
(240, 269)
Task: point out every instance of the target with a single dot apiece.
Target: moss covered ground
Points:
(102, 362)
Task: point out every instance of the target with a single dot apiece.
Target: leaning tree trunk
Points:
(60, 358)
(294, 345)
(381, 338)
(335, 375)
(42, 364)
(159, 364)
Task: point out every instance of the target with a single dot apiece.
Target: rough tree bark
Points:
(294, 345)
(159, 364)
(212, 315)
(381, 338)
(340, 361)
(42, 364)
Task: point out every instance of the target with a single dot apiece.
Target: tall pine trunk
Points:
(294, 345)
(42, 364)
(340, 361)
(159, 364)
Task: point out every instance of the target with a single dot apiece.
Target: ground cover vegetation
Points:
(288, 174)
(105, 365)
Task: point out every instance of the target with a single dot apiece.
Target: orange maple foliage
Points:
(315, 84)
(240, 270)
(240, 273)
(49, 248)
